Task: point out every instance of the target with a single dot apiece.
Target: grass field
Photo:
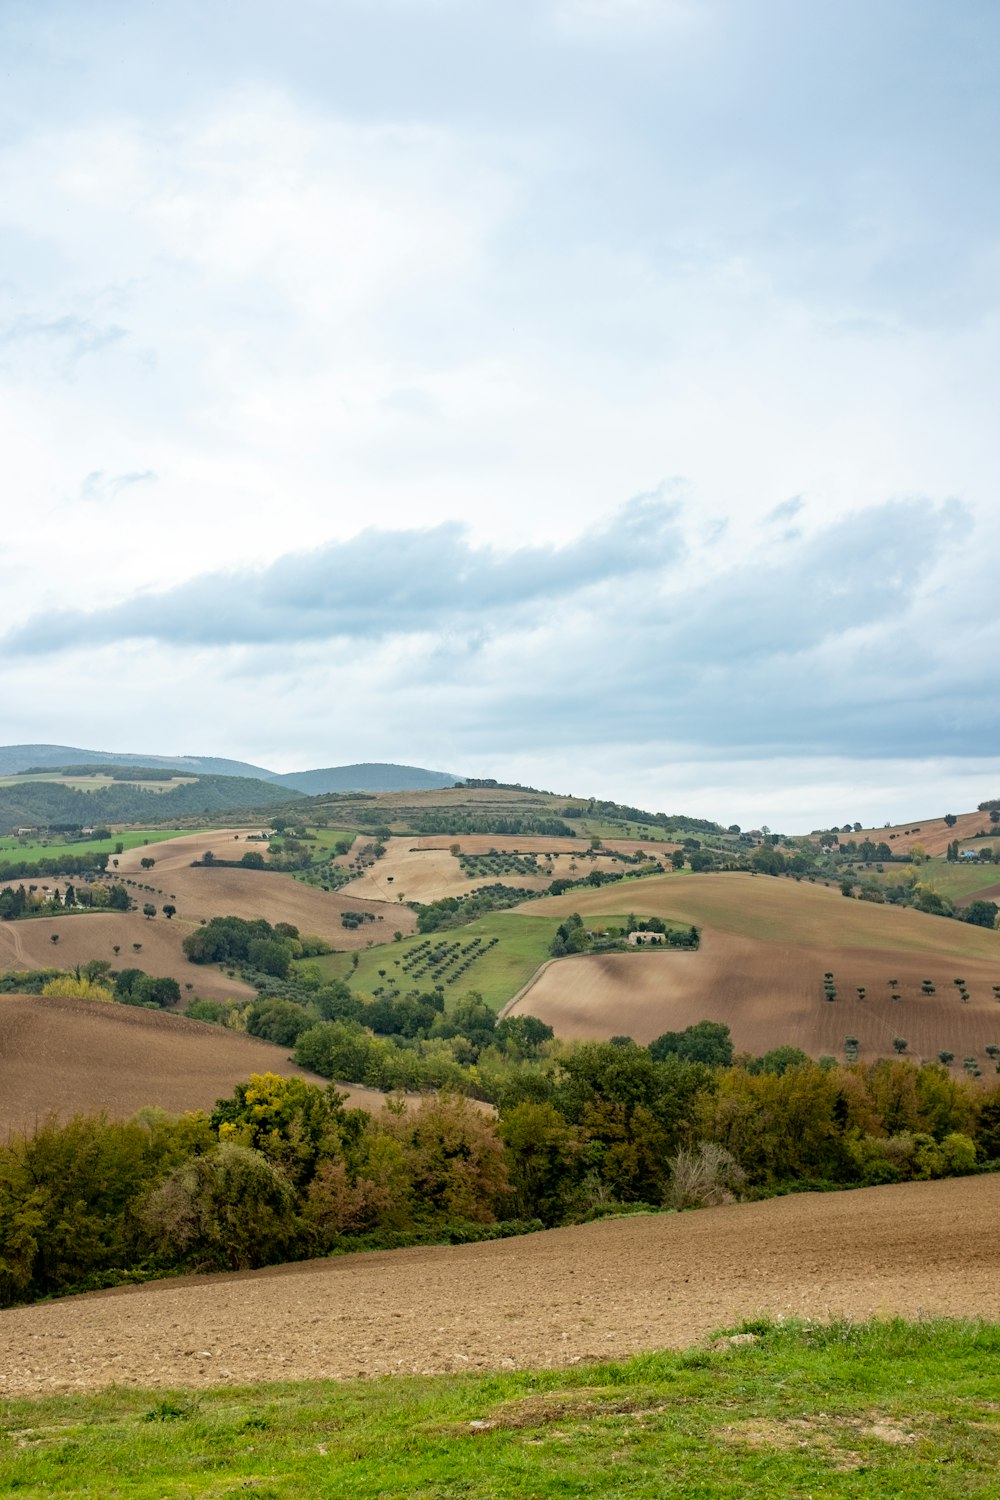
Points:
(522, 948)
(12, 849)
(882, 1409)
(960, 883)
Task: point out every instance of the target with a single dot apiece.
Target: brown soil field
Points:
(766, 946)
(28, 945)
(598, 1291)
(67, 1057)
(212, 892)
(933, 834)
(425, 869)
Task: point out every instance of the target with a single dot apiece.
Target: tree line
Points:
(282, 1170)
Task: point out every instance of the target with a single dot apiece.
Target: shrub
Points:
(704, 1177)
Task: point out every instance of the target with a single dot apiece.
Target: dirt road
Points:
(597, 1291)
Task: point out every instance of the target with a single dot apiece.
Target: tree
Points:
(950, 819)
(900, 1044)
(229, 1209)
(253, 860)
(707, 1042)
(149, 911)
(169, 910)
(677, 858)
(982, 913)
(146, 862)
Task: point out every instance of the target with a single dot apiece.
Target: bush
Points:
(704, 1177)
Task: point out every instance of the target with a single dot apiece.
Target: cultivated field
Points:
(212, 892)
(66, 1057)
(932, 834)
(766, 946)
(598, 1291)
(425, 870)
(28, 945)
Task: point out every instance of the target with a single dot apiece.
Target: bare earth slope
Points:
(79, 1056)
(206, 892)
(766, 946)
(598, 1291)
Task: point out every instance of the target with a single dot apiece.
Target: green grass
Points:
(12, 849)
(524, 945)
(870, 1411)
(957, 882)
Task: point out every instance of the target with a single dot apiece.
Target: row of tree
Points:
(282, 1170)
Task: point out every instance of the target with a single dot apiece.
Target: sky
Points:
(594, 394)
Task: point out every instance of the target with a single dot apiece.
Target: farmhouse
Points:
(641, 939)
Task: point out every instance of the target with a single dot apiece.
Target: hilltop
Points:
(374, 776)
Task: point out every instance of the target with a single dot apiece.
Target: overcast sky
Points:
(600, 394)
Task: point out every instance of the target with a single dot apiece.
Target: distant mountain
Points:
(49, 803)
(15, 758)
(373, 776)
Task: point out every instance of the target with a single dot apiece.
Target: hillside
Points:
(766, 945)
(37, 803)
(594, 1292)
(82, 1056)
(374, 776)
(933, 835)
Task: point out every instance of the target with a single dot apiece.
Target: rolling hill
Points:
(767, 944)
(374, 776)
(66, 1057)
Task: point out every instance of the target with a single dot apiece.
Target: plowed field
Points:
(79, 1056)
(425, 870)
(214, 892)
(598, 1291)
(28, 945)
(766, 946)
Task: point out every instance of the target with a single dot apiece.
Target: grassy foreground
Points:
(794, 1410)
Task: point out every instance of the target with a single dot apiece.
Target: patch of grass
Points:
(522, 947)
(883, 1409)
(13, 849)
(960, 882)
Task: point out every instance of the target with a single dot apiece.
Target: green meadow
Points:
(523, 944)
(12, 848)
(820, 1411)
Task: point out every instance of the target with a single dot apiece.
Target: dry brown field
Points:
(933, 834)
(594, 1292)
(67, 1057)
(766, 945)
(212, 892)
(425, 869)
(28, 945)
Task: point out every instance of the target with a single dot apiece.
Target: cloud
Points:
(374, 585)
(98, 487)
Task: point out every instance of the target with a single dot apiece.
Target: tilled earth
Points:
(597, 1291)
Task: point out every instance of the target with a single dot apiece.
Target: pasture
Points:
(497, 971)
(12, 848)
(67, 1057)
